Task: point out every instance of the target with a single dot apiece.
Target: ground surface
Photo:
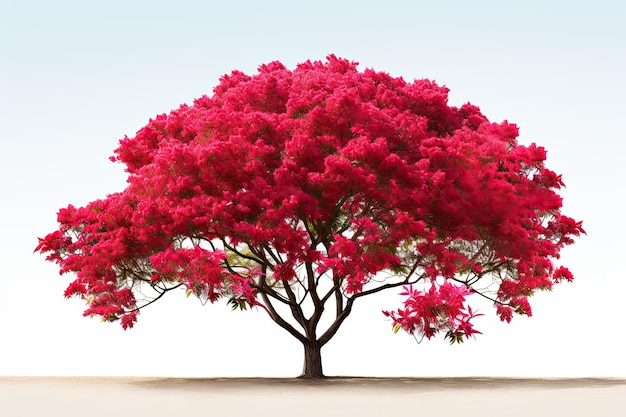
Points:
(363, 397)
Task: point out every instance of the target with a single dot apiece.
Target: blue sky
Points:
(76, 77)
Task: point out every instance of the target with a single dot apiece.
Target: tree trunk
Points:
(312, 361)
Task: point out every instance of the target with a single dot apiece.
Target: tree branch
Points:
(274, 256)
(242, 255)
(317, 303)
(161, 294)
(294, 305)
(334, 327)
(271, 311)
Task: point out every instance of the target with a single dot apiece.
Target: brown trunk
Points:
(312, 361)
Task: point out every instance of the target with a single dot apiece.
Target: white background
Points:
(75, 77)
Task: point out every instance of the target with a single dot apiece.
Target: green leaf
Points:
(396, 328)
(189, 292)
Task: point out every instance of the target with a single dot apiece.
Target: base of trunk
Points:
(312, 368)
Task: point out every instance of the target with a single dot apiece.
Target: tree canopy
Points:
(298, 192)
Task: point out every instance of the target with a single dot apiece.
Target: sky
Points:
(75, 77)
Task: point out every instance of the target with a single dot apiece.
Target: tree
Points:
(300, 192)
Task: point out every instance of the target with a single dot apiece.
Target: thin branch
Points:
(280, 321)
(336, 286)
(489, 298)
(339, 307)
(296, 308)
(265, 288)
(406, 281)
(274, 256)
(312, 236)
(243, 255)
(317, 303)
(342, 314)
(332, 329)
(161, 294)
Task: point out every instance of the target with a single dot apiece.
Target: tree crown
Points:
(322, 183)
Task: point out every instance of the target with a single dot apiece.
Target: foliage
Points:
(318, 186)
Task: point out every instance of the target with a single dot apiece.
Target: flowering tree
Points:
(300, 192)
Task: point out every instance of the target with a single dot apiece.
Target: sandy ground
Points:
(172, 397)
